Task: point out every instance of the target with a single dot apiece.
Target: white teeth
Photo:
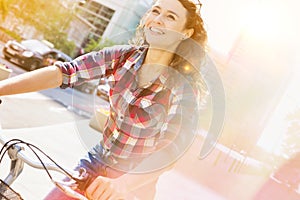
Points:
(156, 30)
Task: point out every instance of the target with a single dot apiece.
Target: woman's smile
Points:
(157, 31)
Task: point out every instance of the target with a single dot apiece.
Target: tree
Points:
(47, 17)
(97, 44)
(291, 140)
(60, 41)
(3, 9)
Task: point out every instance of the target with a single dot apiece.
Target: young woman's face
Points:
(165, 24)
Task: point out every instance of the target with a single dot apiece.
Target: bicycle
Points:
(15, 149)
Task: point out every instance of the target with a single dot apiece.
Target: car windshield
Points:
(35, 45)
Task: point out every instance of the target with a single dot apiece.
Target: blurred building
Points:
(115, 20)
(256, 58)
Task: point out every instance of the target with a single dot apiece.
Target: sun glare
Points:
(266, 20)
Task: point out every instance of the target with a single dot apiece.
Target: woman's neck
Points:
(157, 56)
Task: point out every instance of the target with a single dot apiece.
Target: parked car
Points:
(87, 87)
(100, 88)
(103, 91)
(32, 54)
(57, 55)
(61, 56)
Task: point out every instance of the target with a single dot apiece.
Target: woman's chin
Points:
(162, 45)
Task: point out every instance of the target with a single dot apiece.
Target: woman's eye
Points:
(171, 17)
(155, 11)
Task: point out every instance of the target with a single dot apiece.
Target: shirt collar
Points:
(139, 57)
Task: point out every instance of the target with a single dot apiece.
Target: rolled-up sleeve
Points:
(93, 65)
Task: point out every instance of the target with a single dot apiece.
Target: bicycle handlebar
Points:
(32, 162)
(17, 163)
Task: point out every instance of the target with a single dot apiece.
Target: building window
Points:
(98, 15)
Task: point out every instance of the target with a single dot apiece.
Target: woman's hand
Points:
(103, 188)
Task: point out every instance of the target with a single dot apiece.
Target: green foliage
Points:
(60, 41)
(48, 17)
(291, 140)
(11, 34)
(43, 15)
(96, 45)
(3, 8)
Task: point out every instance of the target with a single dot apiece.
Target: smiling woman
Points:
(155, 93)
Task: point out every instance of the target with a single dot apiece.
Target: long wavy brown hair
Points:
(190, 53)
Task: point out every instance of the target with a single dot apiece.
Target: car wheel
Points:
(34, 65)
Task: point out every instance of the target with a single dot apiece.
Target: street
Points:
(80, 103)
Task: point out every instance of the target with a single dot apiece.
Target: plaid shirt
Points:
(141, 119)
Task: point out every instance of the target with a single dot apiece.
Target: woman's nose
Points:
(158, 19)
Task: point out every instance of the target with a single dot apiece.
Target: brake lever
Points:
(77, 182)
(83, 180)
(68, 190)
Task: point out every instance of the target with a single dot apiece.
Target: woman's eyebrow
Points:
(170, 11)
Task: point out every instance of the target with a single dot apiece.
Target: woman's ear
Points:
(189, 32)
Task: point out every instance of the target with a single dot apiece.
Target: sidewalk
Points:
(39, 120)
(32, 110)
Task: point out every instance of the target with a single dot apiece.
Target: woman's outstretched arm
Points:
(44, 78)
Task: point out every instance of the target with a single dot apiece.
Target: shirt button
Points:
(121, 117)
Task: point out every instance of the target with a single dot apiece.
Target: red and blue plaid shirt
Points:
(140, 118)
